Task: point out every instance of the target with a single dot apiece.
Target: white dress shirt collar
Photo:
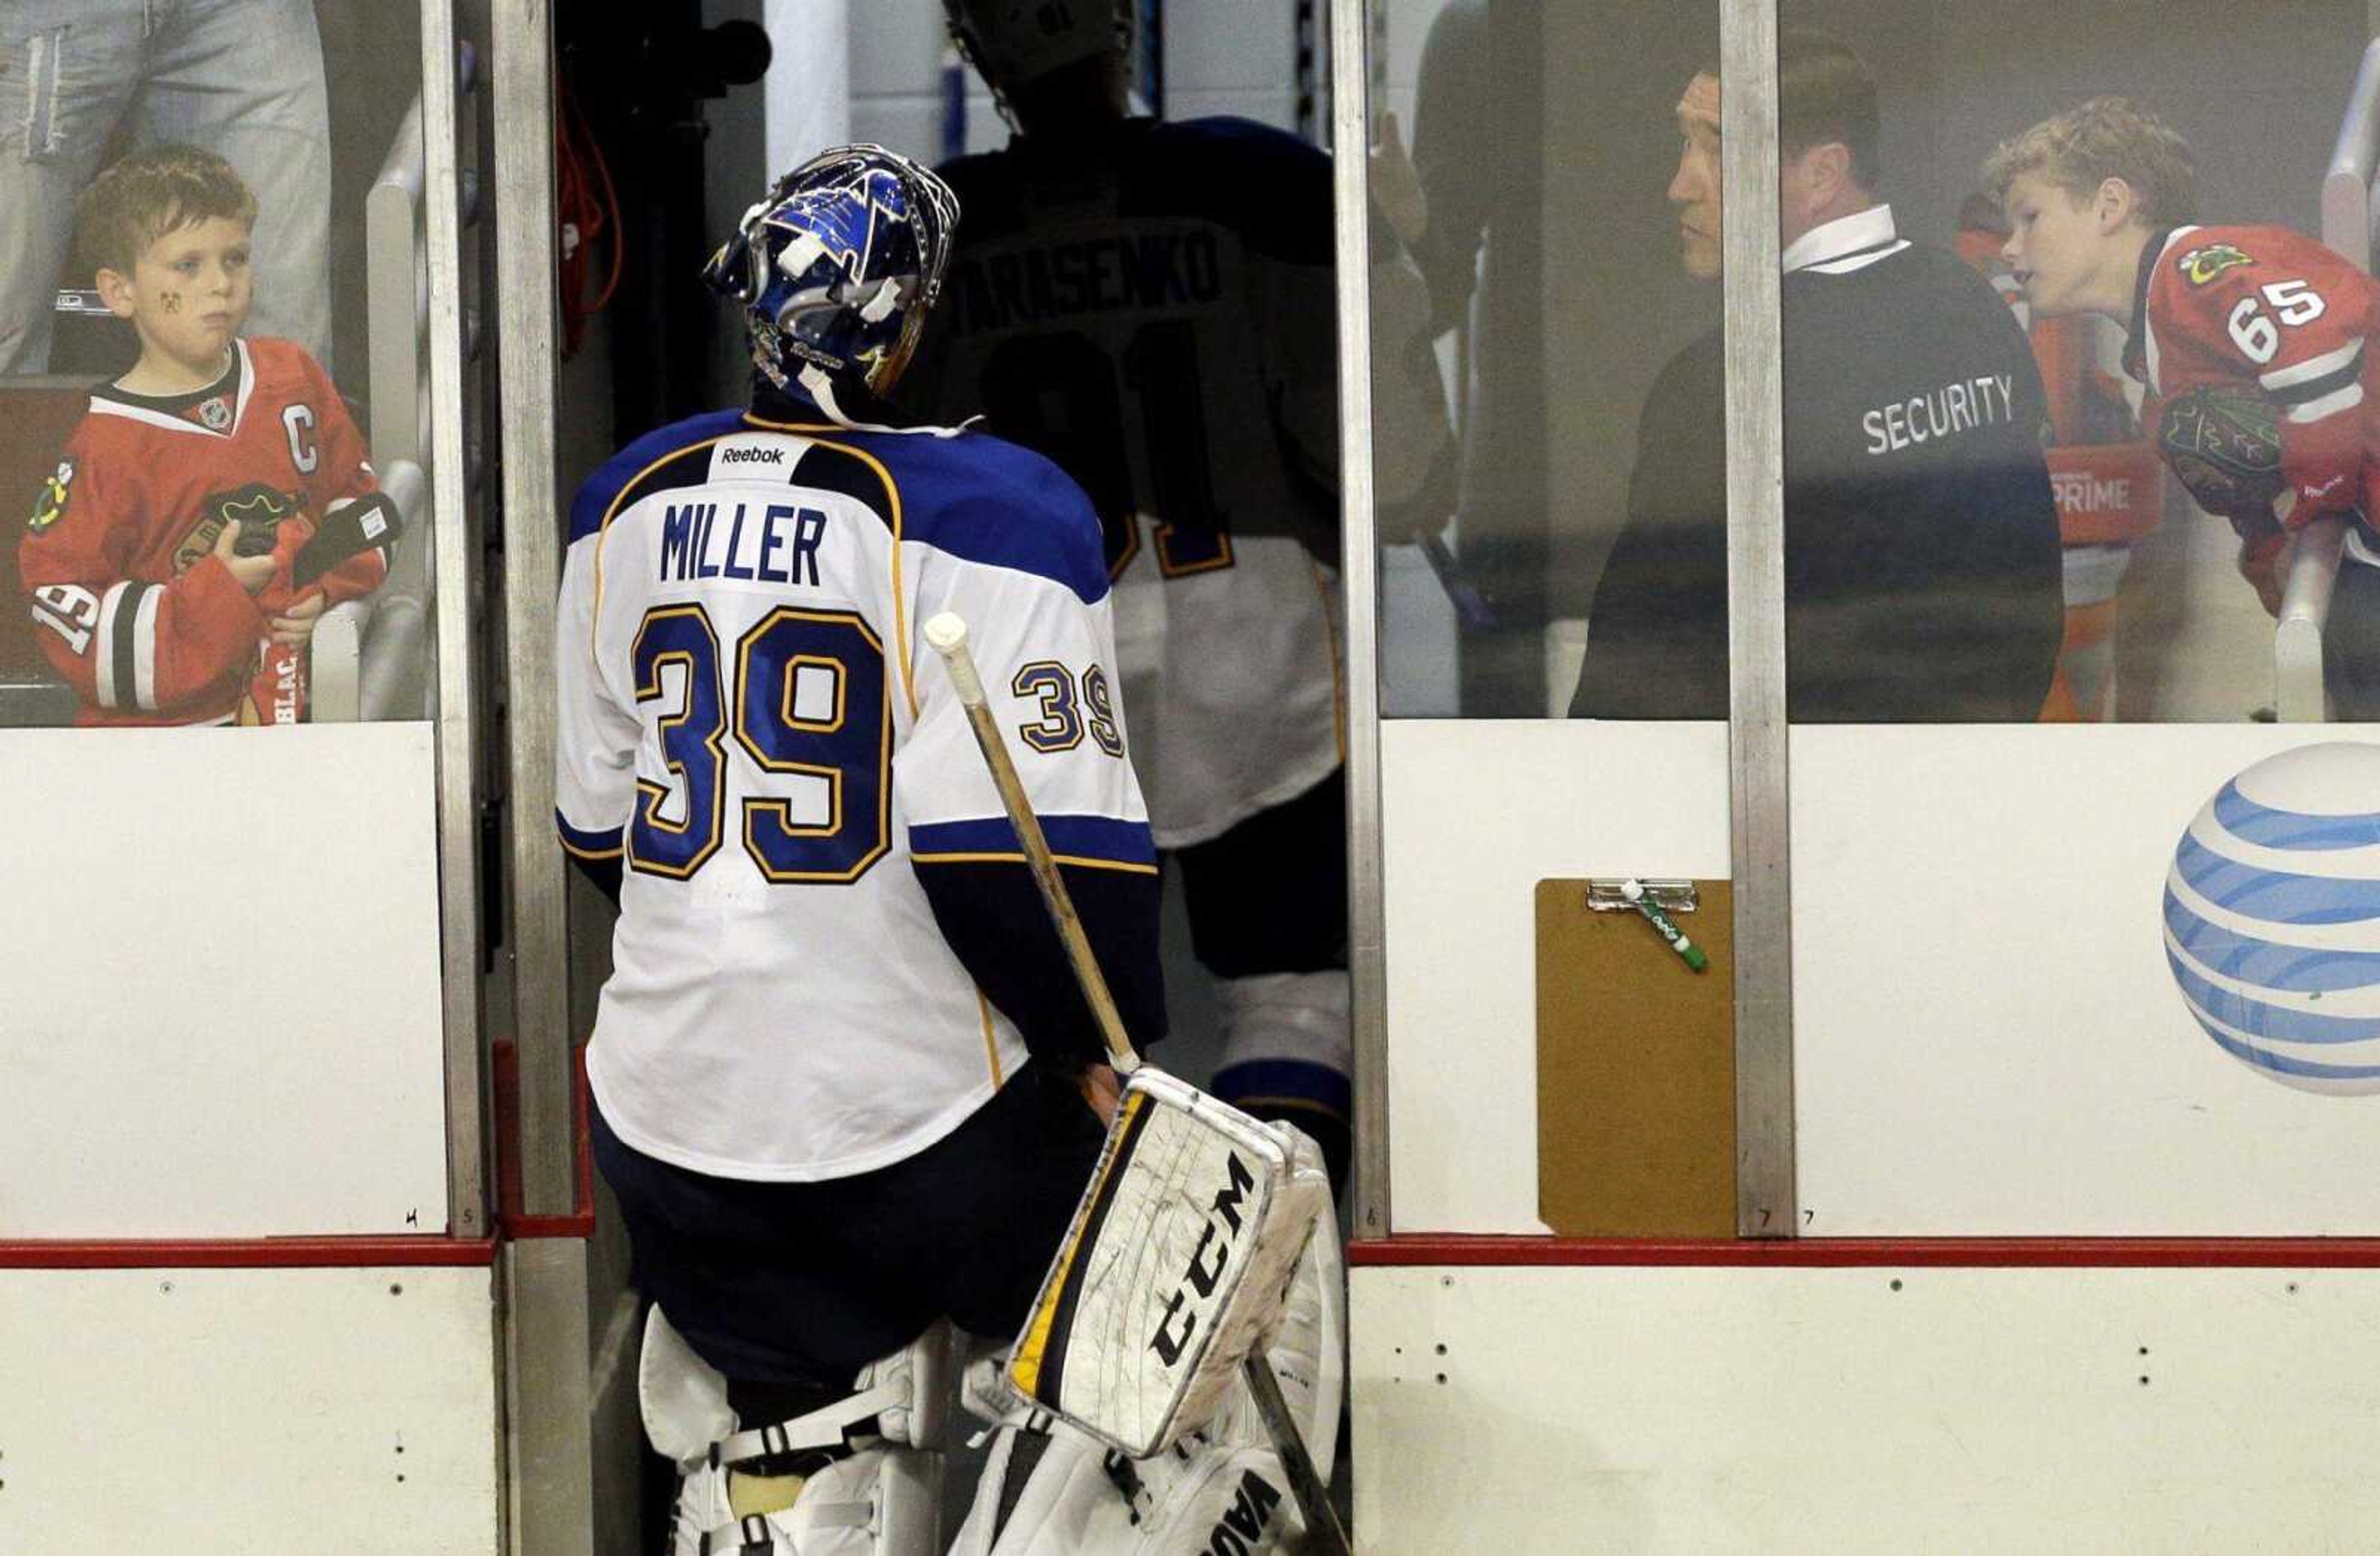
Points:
(1845, 237)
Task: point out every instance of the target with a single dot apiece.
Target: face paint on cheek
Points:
(171, 302)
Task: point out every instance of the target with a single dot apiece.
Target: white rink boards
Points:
(1771, 1410)
(1987, 1040)
(219, 1009)
(248, 1410)
(1473, 813)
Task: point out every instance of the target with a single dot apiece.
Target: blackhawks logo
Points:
(257, 507)
(52, 500)
(2201, 266)
(259, 510)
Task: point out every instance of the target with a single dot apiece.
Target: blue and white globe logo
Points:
(2272, 917)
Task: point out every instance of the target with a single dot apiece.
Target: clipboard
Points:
(1636, 1070)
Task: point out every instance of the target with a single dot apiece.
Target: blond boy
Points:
(2251, 342)
(158, 556)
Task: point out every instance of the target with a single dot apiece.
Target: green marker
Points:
(1654, 914)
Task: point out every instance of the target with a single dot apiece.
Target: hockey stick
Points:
(947, 635)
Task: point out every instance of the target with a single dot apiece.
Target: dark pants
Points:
(1269, 895)
(807, 1282)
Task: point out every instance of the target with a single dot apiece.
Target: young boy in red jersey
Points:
(2250, 341)
(159, 558)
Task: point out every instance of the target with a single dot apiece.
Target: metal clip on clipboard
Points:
(1656, 901)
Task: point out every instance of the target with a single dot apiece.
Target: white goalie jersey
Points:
(751, 722)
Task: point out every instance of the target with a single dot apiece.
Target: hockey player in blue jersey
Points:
(1153, 305)
(847, 1090)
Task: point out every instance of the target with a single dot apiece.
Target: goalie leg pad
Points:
(871, 1462)
(1177, 1265)
(1050, 1489)
(1308, 1353)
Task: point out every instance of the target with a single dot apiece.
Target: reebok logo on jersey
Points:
(751, 456)
(2201, 266)
(1241, 1529)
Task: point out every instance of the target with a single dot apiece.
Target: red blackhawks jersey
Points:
(135, 609)
(2269, 307)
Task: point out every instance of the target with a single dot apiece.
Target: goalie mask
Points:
(1011, 43)
(838, 268)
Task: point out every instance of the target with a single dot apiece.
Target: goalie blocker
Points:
(1049, 1489)
(1175, 1269)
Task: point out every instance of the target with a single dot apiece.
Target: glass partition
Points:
(2141, 554)
(2076, 436)
(1549, 461)
(212, 365)
(216, 419)
(2071, 307)
(1559, 201)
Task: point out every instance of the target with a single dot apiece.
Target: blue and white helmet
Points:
(838, 268)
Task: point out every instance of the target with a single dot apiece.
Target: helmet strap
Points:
(821, 389)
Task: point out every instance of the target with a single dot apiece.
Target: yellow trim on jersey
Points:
(1212, 564)
(575, 851)
(991, 1040)
(893, 490)
(1127, 866)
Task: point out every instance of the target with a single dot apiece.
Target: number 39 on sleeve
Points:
(1063, 697)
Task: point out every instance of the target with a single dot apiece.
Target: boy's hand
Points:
(251, 573)
(2260, 556)
(294, 628)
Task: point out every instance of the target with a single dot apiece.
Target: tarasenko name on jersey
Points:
(1095, 274)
